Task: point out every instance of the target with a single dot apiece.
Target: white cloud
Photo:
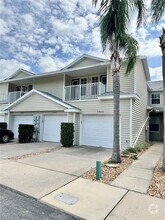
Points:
(29, 20)
(156, 73)
(49, 63)
(49, 33)
(150, 48)
(4, 29)
(8, 67)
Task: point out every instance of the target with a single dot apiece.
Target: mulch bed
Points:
(157, 185)
(109, 174)
(33, 154)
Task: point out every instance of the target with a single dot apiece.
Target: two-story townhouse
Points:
(155, 100)
(80, 93)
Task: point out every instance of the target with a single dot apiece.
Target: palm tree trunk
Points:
(116, 122)
(162, 45)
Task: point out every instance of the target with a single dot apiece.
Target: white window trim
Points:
(155, 93)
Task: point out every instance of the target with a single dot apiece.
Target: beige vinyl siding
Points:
(53, 85)
(4, 88)
(105, 107)
(70, 117)
(67, 80)
(20, 75)
(3, 117)
(85, 62)
(77, 129)
(94, 106)
(126, 80)
(140, 106)
(125, 122)
(2, 106)
(37, 103)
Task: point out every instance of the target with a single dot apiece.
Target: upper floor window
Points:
(155, 99)
(24, 88)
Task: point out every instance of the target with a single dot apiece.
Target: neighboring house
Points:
(80, 93)
(156, 126)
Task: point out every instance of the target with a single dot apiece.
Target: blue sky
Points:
(46, 35)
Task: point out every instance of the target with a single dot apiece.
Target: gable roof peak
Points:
(18, 71)
(82, 57)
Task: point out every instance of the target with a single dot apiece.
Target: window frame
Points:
(152, 98)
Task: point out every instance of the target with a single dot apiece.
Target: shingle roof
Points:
(155, 85)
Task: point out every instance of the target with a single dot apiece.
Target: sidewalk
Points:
(122, 200)
(138, 176)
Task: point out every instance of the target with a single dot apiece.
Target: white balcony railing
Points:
(8, 98)
(84, 91)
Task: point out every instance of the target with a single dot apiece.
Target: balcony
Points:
(8, 98)
(84, 91)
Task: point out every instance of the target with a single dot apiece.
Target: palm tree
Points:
(162, 45)
(114, 18)
(157, 9)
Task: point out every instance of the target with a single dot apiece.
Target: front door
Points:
(156, 128)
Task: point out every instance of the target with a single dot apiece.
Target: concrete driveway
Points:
(38, 169)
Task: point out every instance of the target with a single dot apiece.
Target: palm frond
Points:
(114, 23)
(157, 9)
(129, 46)
(135, 5)
(139, 6)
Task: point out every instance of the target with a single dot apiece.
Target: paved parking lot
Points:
(37, 172)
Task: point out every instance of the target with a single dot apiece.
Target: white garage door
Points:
(97, 130)
(52, 127)
(19, 119)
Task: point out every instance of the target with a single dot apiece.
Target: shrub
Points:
(25, 133)
(142, 147)
(3, 125)
(125, 152)
(134, 157)
(131, 150)
(138, 149)
(67, 134)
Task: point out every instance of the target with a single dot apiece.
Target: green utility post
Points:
(98, 169)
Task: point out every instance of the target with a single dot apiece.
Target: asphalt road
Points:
(16, 206)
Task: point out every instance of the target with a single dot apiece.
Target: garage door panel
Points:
(97, 130)
(52, 127)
